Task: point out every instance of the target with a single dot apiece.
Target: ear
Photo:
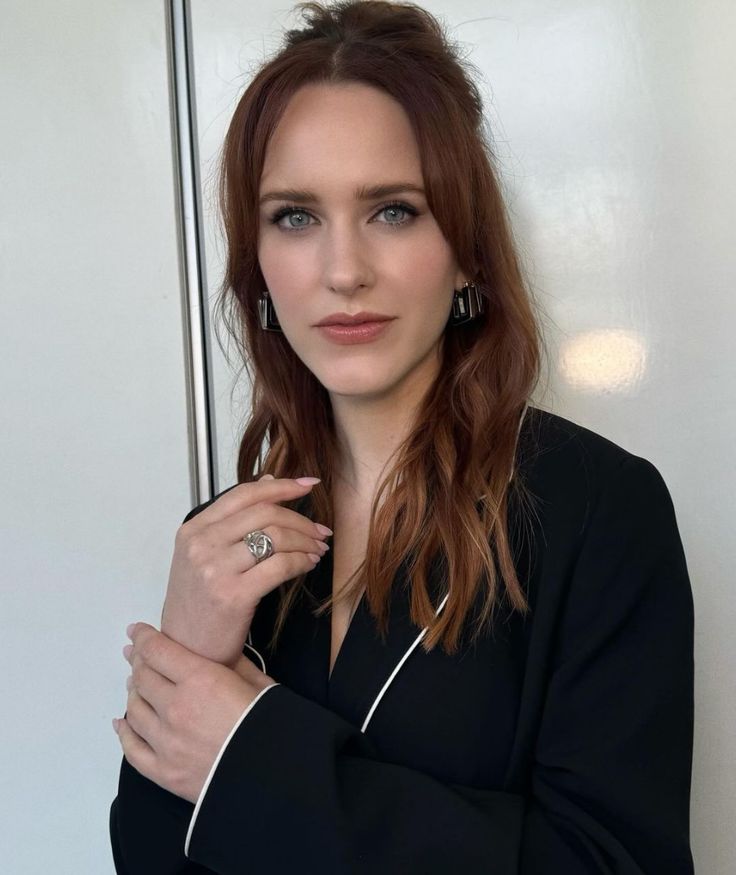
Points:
(460, 279)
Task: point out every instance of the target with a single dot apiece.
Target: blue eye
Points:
(288, 211)
(402, 208)
(296, 211)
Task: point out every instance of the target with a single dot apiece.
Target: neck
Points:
(370, 429)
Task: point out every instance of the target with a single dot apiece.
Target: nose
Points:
(346, 261)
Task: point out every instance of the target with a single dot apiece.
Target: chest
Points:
(449, 715)
(348, 551)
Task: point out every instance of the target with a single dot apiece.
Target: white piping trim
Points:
(216, 764)
(263, 662)
(398, 666)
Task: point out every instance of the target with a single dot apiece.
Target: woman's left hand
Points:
(181, 707)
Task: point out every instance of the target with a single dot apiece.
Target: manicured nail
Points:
(127, 650)
(323, 529)
(314, 557)
(307, 481)
(129, 630)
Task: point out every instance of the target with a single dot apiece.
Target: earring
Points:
(467, 303)
(267, 314)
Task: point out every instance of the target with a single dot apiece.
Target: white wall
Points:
(614, 125)
(95, 462)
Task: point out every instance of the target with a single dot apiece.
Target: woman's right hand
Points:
(215, 584)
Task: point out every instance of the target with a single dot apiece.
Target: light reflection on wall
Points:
(606, 360)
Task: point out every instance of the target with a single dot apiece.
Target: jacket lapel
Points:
(365, 666)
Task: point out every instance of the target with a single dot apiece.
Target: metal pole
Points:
(195, 304)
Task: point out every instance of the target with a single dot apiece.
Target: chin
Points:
(354, 389)
(368, 386)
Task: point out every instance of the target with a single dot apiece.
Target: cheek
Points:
(431, 284)
(286, 279)
(428, 265)
(281, 266)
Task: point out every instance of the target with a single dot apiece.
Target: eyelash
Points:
(287, 211)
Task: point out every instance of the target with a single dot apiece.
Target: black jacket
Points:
(561, 743)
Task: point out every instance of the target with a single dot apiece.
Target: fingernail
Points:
(308, 481)
(127, 650)
(323, 529)
(115, 723)
(129, 630)
(314, 557)
(268, 477)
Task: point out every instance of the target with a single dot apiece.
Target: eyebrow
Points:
(363, 193)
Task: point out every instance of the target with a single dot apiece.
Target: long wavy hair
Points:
(446, 496)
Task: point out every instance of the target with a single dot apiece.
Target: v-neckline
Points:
(327, 570)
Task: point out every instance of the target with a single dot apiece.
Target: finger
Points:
(245, 494)
(136, 751)
(166, 656)
(151, 686)
(266, 515)
(289, 531)
(142, 719)
(237, 558)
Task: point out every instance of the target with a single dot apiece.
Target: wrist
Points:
(250, 673)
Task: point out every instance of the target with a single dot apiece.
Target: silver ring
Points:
(259, 544)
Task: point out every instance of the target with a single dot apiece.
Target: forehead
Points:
(339, 135)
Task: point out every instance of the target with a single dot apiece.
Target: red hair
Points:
(446, 494)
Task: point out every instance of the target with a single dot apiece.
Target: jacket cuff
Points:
(216, 763)
(278, 763)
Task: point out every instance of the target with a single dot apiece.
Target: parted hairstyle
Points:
(445, 497)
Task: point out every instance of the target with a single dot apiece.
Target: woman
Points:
(553, 733)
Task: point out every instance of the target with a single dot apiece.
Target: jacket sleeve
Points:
(148, 825)
(297, 788)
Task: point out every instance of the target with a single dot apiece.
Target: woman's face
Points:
(334, 252)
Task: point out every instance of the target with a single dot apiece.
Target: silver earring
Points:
(467, 303)
(267, 314)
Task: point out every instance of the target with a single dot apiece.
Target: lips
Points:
(363, 332)
(351, 324)
(353, 318)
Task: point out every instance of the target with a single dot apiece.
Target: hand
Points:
(181, 708)
(215, 584)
